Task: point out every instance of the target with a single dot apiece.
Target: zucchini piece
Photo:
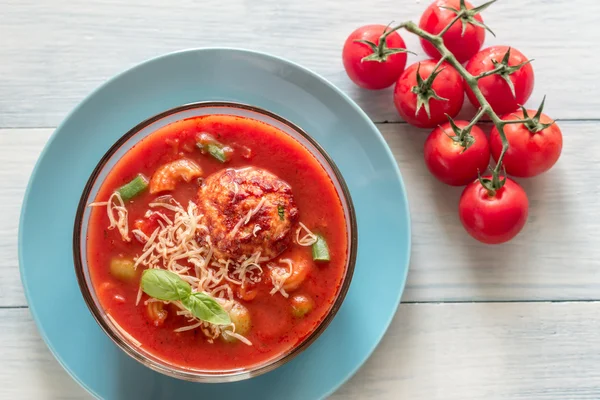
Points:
(320, 250)
(136, 186)
(217, 152)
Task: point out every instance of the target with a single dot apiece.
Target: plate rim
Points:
(252, 53)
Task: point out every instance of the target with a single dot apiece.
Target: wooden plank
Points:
(554, 258)
(19, 150)
(521, 351)
(56, 52)
(28, 370)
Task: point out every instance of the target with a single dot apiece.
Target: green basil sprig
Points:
(168, 286)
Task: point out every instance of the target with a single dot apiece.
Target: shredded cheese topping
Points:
(308, 239)
(248, 217)
(181, 244)
(115, 205)
(237, 336)
(279, 276)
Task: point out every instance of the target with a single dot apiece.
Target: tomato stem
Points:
(458, 16)
(494, 184)
(514, 121)
(501, 68)
(494, 71)
(476, 118)
(446, 55)
(381, 52)
(467, 16)
(533, 124)
(463, 136)
(424, 88)
(504, 70)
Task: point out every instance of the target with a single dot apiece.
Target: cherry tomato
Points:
(448, 85)
(462, 45)
(493, 218)
(372, 74)
(493, 87)
(448, 160)
(529, 154)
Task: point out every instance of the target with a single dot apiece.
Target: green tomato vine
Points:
(425, 93)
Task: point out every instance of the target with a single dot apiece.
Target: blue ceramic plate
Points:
(284, 88)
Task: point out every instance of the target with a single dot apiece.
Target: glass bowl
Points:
(126, 142)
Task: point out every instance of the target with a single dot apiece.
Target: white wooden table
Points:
(519, 321)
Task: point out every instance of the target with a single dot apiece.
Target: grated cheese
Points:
(248, 217)
(139, 296)
(255, 210)
(115, 204)
(308, 239)
(248, 269)
(181, 244)
(237, 336)
(187, 328)
(174, 246)
(279, 275)
(236, 190)
(141, 236)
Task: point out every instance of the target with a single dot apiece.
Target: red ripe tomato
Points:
(529, 153)
(448, 85)
(493, 218)
(494, 88)
(447, 159)
(462, 45)
(373, 74)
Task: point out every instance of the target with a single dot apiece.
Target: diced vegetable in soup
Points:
(217, 242)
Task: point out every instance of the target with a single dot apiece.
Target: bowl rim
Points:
(231, 375)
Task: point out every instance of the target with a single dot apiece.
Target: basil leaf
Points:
(168, 286)
(206, 308)
(164, 285)
(281, 212)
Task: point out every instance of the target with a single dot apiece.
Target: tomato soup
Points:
(217, 243)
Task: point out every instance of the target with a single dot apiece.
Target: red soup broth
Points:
(274, 329)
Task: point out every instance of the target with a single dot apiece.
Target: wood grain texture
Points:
(56, 52)
(517, 351)
(19, 150)
(554, 258)
(27, 368)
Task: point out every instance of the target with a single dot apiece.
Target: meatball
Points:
(247, 210)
